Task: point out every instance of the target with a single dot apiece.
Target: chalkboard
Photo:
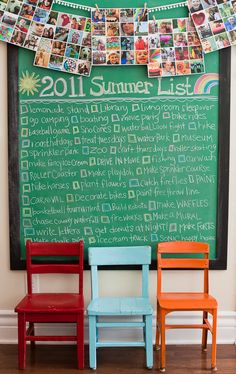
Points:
(117, 158)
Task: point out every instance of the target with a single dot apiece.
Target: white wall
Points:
(12, 283)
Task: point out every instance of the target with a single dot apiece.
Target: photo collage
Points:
(65, 44)
(22, 21)
(215, 21)
(119, 36)
(174, 48)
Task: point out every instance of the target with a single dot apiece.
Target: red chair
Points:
(51, 307)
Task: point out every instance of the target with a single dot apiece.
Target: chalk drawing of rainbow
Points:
(205, 83)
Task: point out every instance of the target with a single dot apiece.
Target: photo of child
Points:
(127, 58)
(42, 58)
(113, 58)
(18, 38)
(168, 69)
(141, 57)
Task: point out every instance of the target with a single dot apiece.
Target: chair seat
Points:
(120, 306)
(186, 301)
(51, 302)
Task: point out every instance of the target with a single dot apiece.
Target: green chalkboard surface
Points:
(117, 158)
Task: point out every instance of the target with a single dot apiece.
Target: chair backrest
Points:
(54, 265)
(108, 256)
(166, 259)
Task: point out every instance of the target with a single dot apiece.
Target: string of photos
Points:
(73, 43)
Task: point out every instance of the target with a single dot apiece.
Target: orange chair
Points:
(51, 307)
(168, 302)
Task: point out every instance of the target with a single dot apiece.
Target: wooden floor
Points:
(58, 359)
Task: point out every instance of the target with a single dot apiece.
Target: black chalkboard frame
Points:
(220, 262)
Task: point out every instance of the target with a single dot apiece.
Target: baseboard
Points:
(226, 329)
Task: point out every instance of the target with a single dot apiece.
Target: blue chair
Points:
(120, 306)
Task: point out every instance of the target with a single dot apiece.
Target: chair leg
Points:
(213, 349)
(97, 330)
(92, 342)
(148, 341)
(204, 333)
(80, 341)
(31, 327)
(157, 345)
(163, 340)
(21, 341)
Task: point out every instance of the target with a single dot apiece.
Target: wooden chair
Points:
(51, 307)
(120, 306)
(168, 302)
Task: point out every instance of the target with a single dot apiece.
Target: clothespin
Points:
(97, 7)
(154, 18)
(145, 8)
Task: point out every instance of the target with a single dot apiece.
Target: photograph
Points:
(209, 45)
(72, 50)
(127, 29)
(5, 33)
(70, 65)
(141, 57)
(64, 20)
(179, 25)
(195, 5)
(36, 28)
(99, 43)
(32, 42)
(112, 15)
(127, 43)
(14, 6)
(99, 58)
(45, 4)
(154, 41)
(183, 68)
(42, 58)
(18, 38)
(56, 62)
(127, 57)
(48, 32)
(27, 11)
(112, 43)
(52, 19)
(58, 48)
(98, 15)
(61, 33)
(197, 67)
(141, 43)
(22, 24)
(168, 69)
(75, 37)
(165, 27)
(113, 58)
(41, 15)
(154, 70)
(84, 68)
(126, 15)
(154, 55)
(9, 19)
(180, 39)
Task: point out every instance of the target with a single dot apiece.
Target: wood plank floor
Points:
(46, 359)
